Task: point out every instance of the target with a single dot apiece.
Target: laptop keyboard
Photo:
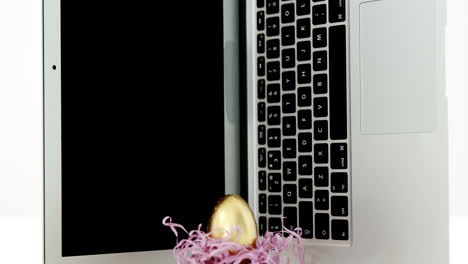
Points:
(302, 126)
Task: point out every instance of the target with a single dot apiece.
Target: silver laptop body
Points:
(347, 127)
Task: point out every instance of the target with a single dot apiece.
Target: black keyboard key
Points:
(304, 96)
(262, 203)
(274, 160)
(261, 157)
(305, 188)
(320, 37)
(340, 230)
(320, 60)
(305, 165)
(273, 26)
(288, 36)
(289, 148)
(289, 103)
(274, 204)
(274, 182)
(320, 107)
(319, 14)
(304, 119)
(262, 180)
(290, 218)
(261, 135)
(321, 153)
(304, 73)
(338, 97)
(339, 156)
(273, 48)
(288, 58)
(289, 126)
(272, 6)
(260, 3)
(322, 228)
(303, 28)
(337, 10)
(321, 130)
(305, 142)
(262, 225)
(275, 224)
(303, 51)
(273, 93)
(320, 83)
(339, 206)
(274, 138)
(321, 176)
(290, 194)
(289, 81)
(339, 182)
(306, 219)
(261, 66)
(261, 89)
(260, 20)
(274, 115)
(322, 200)
(273, 71)
(261, 112)
(303, 7)
(289, 171)
(287, 13)
(260, 43)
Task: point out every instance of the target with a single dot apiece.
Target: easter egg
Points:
(230, 212)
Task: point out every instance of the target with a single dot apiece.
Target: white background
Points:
(21, 129)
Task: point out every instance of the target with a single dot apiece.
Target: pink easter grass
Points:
(201, 248)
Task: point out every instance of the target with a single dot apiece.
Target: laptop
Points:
(330, 115)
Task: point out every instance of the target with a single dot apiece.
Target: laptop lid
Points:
(137, 124)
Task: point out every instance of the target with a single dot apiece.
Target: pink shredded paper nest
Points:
(201, 248)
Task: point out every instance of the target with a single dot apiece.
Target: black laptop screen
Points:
(142, 121)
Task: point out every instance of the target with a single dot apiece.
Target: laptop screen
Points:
(142, 121)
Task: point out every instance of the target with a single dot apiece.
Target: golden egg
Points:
(230, 212)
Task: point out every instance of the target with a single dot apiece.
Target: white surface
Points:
(458, 235)
(457, 90)
(20, 108)
(20, 241)
(21, 136)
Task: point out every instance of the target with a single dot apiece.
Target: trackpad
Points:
(398, 68)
